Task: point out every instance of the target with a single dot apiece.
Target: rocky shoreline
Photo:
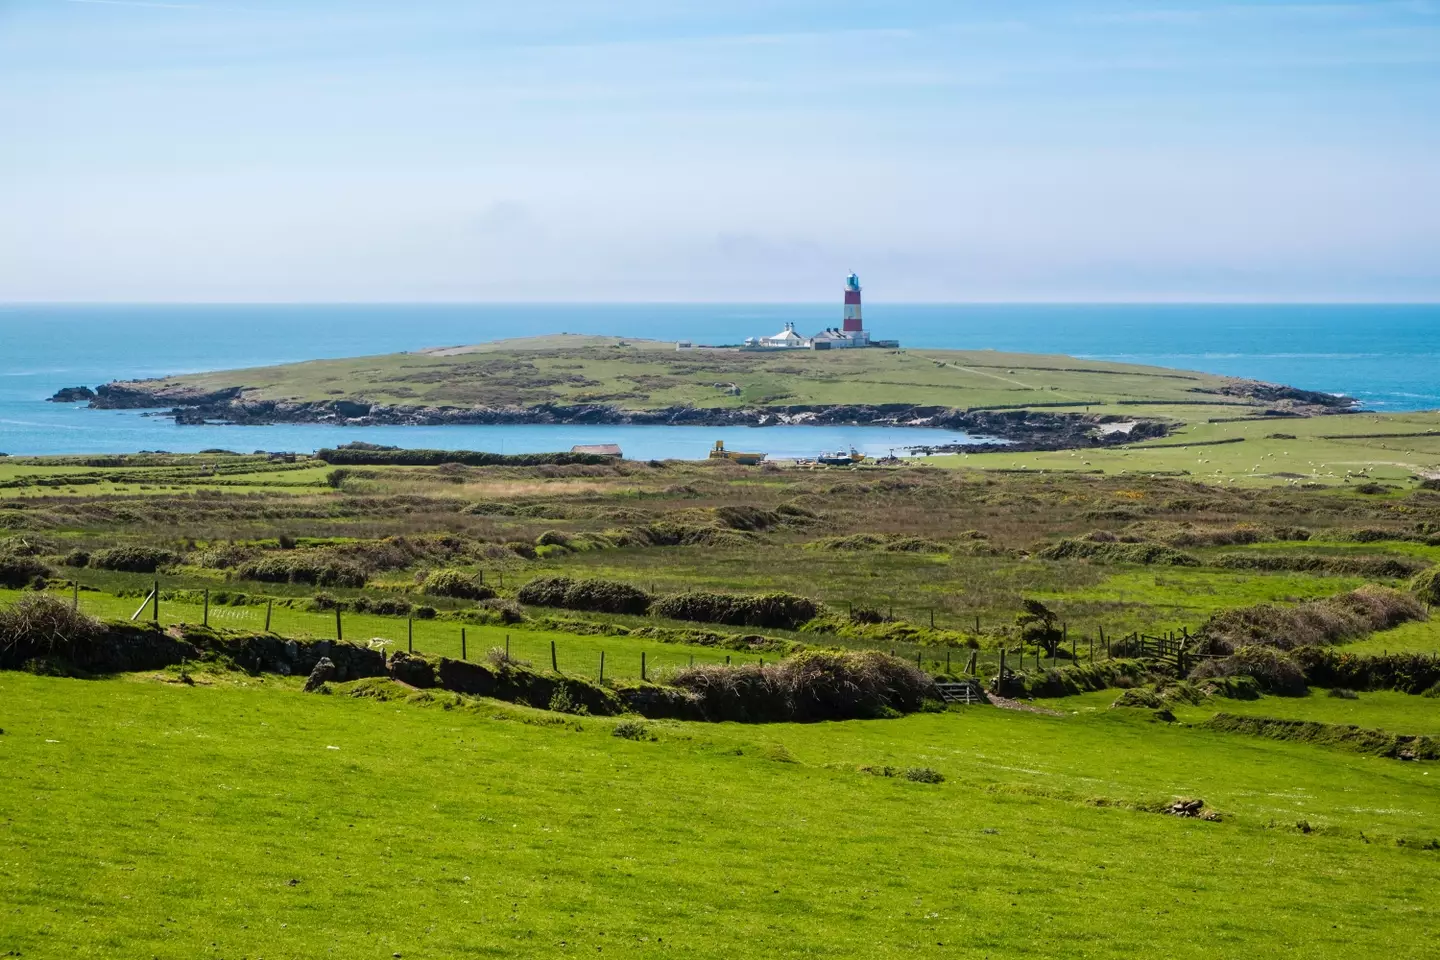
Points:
(1012, 429)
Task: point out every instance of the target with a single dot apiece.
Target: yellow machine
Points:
(747, 459)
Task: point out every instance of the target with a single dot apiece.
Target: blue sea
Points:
(1386, 356)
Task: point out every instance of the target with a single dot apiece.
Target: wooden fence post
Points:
(932, 618)
(269, 608)
(727, 659)
(507, 647)
(642, 665)
(554, 666)
(339, 630)
(155, 603)
(462, 643)
(601, 679)
(410, 633)
(75, 598)
(977, 623)
(205, 621)
(947, 663)
(1000, 677)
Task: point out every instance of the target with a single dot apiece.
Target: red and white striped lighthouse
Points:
(853, 323)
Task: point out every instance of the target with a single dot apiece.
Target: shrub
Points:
(455, 583)
(1340, 693)
(632, 729)
(1426, 587)
(814, 685)
(41, 626)
(17, 571)
(1392, 568)
(503, 611)
(1039, 626)
(1272, 670)
(77, 559)
(923, 775)
(134, 559)
(384, 606)
(598, 596)
(303, 566)
(1406, 672)
(1155, 554)
(552, 538)
(1335, 619)
(779, 611)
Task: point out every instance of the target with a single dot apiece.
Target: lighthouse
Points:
(853, 323)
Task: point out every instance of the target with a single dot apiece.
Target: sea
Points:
(1386, 356)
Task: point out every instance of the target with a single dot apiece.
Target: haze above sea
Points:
(1387, 356)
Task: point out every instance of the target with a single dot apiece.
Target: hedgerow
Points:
(597, 596)
(303, 566)
(471, 458)
(456, 584)
(1347, 616)
(1154, 554)
(776, 611)
(133, 559)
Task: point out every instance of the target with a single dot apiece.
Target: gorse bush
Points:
(776, 611)
(597, 596)
(1273, 670)
(1346, 616)
(456, 584)
(1426, 587)
(814, 685)
(133, 559)
(632, 729)
(313, 567)
(16, 571)
(41, 626)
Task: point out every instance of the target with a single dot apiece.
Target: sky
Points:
(736, 151)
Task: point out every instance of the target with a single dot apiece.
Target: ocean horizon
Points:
(1384, 355)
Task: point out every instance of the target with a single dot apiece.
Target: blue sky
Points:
(751, 150)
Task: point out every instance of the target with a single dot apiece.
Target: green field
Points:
(153, 819)
(645, 374)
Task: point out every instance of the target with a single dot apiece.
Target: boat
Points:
(735, 456)
(841, 458)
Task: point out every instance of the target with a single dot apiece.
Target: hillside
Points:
(601, 379)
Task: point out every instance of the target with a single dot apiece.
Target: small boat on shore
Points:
(841, 458)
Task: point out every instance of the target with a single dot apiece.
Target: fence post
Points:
(155, 603)
(269, 608)
(1072, 650)
(410, 633)
(1000, 677)
(947, 663)
(507, 647)
(1103, 642)
(932, 618)
(977, 623)
(553, 665)
(339, 630)
(462, 643)
(692, 659)
(602, 667)
(642, 665)
(727, 659)
(75, 595)
(205, 622)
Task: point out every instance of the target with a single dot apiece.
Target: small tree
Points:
(1039, 626)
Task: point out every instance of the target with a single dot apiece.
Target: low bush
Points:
(76, 558)
(313, 567)
(42, 626)
(809, 686)
(18, 571)
(1346, 616)
(1154, 554)
(776, 611)
(456, 584)
(1426, 587)
(1080, 678)
(384, 606)
(1392, 568)
(133, 559)
(1273, 670)
(1405, 672)
(923, 775)
(596, 596)
(632, 729)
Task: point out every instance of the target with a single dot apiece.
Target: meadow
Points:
(246, 819)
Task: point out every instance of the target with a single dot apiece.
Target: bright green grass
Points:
(141, 819)
(1419, 637)
(1258, 459)
(651, 374)
(1381, 710)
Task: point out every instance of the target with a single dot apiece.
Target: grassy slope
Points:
(651, 374)
(150, 820)
(1259, 457)
(1401, 713)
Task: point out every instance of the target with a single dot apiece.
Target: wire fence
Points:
(581, 655)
